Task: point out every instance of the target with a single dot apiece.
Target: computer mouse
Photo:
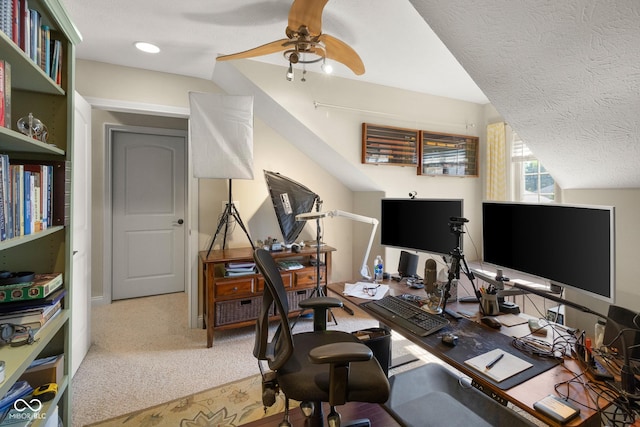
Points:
(491, 322)
(450, 339)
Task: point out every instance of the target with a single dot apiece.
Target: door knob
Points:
(179, 222)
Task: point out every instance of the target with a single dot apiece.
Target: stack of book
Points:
(32, 196)
(233, 269)
(26, 27)
(32, 304)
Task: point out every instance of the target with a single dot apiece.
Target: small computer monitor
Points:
(420, 224)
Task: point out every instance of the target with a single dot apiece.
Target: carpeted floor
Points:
(143, 354)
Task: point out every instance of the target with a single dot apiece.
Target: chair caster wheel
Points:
(307, 408)
(333, 419)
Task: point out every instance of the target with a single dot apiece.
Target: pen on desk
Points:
(494, 361)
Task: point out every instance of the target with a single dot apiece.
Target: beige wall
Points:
(104, 81)
(341, 129)
(339, 125)
(272, 152)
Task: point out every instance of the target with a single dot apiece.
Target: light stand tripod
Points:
(318, 291)
(230, 213)
(457, 259)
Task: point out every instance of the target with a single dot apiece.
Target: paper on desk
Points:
(507, 367)
(357, 290)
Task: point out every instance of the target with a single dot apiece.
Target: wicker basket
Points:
(237, 310)
(294, 298)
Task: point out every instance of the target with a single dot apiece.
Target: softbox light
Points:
(289, 199)
(221, 133)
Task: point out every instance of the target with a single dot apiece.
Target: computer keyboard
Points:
(407, 315)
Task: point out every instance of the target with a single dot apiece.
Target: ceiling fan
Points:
(305, 42)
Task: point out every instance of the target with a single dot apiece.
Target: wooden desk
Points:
(523, 395)
(233, 302)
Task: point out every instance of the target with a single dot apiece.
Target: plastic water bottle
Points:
(378, 268)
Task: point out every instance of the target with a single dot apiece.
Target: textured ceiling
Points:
(564, 74)
(397, 47)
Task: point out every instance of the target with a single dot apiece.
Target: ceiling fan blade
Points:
(265, 49)
(307, 13)
(340, 51)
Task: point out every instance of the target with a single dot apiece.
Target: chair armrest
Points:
(320, 302)
(340, 352)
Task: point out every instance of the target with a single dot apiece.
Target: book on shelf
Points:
(6, 13)
(5, 93)
(35, 318)
(26, 27)
(42, 286)
(52, 299)
(17, 391)
(33, 196)
(238, 268)
(240, 264)
(235, 273)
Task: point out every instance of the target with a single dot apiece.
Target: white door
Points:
(81, 280)
(148, 211)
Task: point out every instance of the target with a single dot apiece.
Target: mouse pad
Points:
(474, 340)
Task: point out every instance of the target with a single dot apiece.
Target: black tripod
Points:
(457, 259)
(319, 291)
(230, 214)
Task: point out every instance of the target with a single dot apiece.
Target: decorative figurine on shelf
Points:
(33, 128)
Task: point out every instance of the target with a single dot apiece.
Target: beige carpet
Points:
(229, 405)
(143, 354)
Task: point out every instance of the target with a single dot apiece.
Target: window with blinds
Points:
(532, 182)
(446, 154)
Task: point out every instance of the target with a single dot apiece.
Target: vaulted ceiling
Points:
(565, 75)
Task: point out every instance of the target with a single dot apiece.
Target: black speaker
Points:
(625, 318)
(408, 265)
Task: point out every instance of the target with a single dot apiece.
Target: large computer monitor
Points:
(568, 245)
(420, 224)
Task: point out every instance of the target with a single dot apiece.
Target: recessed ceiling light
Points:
(147, 47)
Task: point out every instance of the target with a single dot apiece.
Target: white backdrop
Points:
(221, 134)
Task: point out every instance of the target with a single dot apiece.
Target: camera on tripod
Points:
(456, 224)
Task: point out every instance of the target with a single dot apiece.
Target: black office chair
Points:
(312, 367)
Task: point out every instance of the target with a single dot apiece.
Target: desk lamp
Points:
(364, 269)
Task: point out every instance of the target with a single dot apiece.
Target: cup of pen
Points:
(489, 303)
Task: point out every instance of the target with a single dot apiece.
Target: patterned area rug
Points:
(229, 405)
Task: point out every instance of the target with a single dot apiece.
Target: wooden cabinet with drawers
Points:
(233, 302)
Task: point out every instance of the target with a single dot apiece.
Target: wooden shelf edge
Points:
(17, 241)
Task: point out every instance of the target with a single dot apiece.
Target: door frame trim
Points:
(110, 130)
(191, 270)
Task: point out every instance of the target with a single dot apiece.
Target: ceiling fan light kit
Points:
(305, 38)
